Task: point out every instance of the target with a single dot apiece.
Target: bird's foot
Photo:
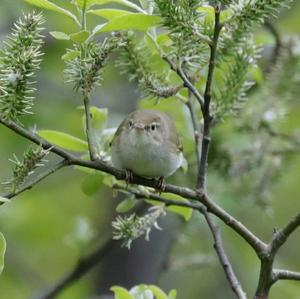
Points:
(161, 185)
(128, 177)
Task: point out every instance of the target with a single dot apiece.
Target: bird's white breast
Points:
(144, 156)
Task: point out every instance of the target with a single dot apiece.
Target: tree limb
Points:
(36, 180)
(281, 235)
(84, 265)
(219, 247)
(185, 79)
(279, 274)
(201, 180)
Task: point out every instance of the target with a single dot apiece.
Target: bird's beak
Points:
(139, 126)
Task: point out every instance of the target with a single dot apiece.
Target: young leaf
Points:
(2, 251)
(158, 293)
(51, 6)
(91, 184)
(80, 37)
(60, 35)
(108, 14)
(172, 294)
(186, 213)
(64, 140)
(137, 21)
(126, 205)
(121, 2)
(121, 293)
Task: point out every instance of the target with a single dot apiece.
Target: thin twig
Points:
(88, 128)
(279, 274)
(38, 179)
(185, 79)
(83, 266)
(219, 247)
(201, 180)
(278, 45)
(281, 235)
(196, 127)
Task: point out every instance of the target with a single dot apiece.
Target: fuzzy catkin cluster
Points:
(20, 57)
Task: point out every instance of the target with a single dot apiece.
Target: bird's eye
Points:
(130, 123)
(153, 127)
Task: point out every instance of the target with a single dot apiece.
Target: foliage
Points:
(247, 153)
(142, 292)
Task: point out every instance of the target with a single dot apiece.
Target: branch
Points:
(36, 180)
(236, 287)
(191, 107)
(266, 277)
(219, 247)
(279, 274)
(187, 83)
(201, 180)
(282, 235)
(88, 129)
(119, 174)
(278, 45)
(84, 265)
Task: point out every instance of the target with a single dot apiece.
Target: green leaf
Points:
(4, 199)
(137, 21)
(108, 13)
(121, 293)
(64, 140)
(2, 251)
(60, 35)
(51, 6)
(126, 205)
(158, 293)
(85, 169)
(172, 294)
(92, 183)
(109, 180)
(121, 2)
(80, 37)
(87, 3)
(99, 118)
(186, 213)
(70, 55)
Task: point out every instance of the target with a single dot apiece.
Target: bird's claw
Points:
(161, 185)
(128, 177)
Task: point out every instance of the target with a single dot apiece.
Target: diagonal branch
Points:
(38, 179)
(187, 83)
(219, 247)
(84, 265)
(282, 235)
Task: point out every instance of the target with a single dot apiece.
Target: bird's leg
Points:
(161, 184)
(128, 176)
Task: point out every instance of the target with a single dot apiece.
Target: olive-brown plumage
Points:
(147, 143)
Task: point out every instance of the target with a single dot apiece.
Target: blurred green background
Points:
(44, 226)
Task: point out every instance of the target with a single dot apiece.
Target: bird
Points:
(147, 144)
